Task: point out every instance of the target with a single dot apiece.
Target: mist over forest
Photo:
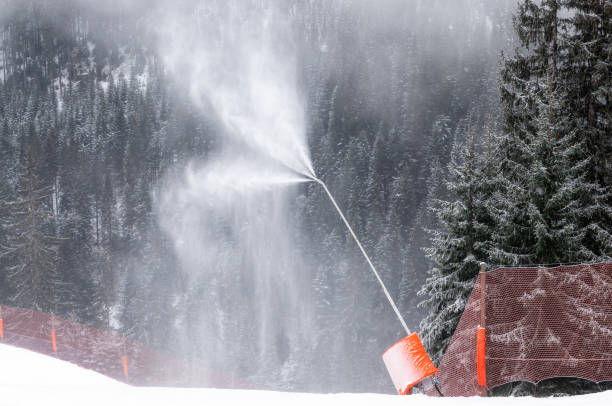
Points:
(156, 156)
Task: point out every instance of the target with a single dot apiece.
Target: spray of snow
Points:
(229, 217)
(240, 63)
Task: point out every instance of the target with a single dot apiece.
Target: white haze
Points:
(236, 58)
(238, 63)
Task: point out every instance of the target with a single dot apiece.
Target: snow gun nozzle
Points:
(314, 178)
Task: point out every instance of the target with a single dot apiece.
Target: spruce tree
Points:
(374, 198)
(424, 223)
(561, 57)
(535, 209)
(586, 79)
(536, 25)
(457, 249)
(30, 248)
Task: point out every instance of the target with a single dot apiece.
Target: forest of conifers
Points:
(449, 134)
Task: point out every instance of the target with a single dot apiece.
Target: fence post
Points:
(125, 358)
(125, 367)
(481, 333)
(53, 341)
(1, 324)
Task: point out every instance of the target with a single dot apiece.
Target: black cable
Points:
(437, 385)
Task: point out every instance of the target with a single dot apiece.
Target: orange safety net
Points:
(408, 363)
(103, 351)
(540, 323)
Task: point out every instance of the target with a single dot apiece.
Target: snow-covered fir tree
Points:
(534, 206)
(458, 248)
(586, 80)
(549, 103)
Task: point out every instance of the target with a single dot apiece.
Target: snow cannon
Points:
(408, 363)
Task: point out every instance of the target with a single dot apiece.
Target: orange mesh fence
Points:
(539, 323)
(103, 351)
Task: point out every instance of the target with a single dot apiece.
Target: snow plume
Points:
(238, 60)
(229, 215)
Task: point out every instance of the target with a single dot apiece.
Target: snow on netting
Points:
(105, 352)
(540, 323)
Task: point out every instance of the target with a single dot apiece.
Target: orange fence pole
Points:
(480, 359)
(125, 369)
(481, 333)
(53, 342)
(1, 324)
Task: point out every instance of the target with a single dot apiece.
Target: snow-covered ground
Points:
(27, 378)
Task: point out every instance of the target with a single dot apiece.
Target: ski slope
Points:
(28, 378)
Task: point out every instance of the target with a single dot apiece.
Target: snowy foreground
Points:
(28, 378)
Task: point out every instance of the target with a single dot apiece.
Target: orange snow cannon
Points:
(408, 363)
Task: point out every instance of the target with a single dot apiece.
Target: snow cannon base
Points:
(408, 363)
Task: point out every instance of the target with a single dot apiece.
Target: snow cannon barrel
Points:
(408, 363)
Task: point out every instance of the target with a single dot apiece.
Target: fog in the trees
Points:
(176, 139)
